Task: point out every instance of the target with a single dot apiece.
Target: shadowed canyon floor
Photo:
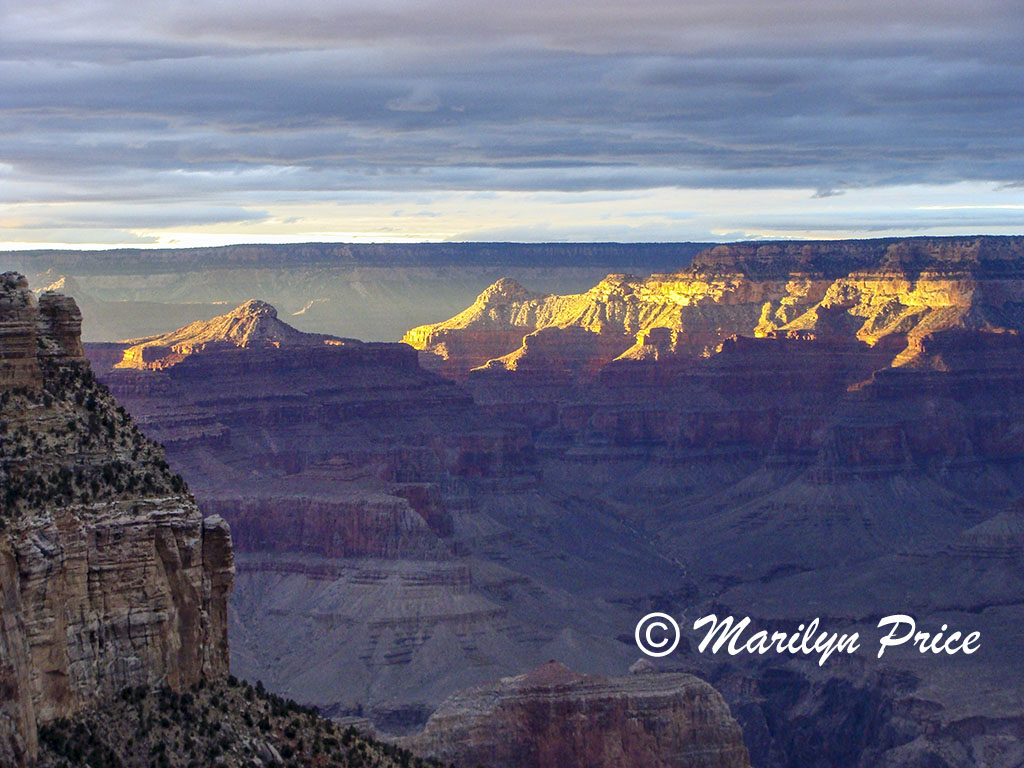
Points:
(782, 431)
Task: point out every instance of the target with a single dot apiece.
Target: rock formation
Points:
(392, 541)
(553, 717)
(109, 576)
(807, 429)
(895, 292)
(253, 325)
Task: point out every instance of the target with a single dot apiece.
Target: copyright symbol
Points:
(657, 634)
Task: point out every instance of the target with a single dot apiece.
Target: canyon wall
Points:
(885, 291)
(109, 575)
(806, 429)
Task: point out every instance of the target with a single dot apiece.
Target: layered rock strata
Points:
(807, 429)
(393, 542)
(553, 717)
(868, 291)
(109, 575)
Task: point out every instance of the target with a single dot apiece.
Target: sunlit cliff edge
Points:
(252, 325)
(884, 292)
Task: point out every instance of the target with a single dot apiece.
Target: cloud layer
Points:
(205, 109)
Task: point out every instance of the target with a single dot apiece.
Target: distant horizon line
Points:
(49, 247)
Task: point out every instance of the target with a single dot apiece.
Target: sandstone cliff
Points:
(870, 291)
(109, 576)
(554, 717)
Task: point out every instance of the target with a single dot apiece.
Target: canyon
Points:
(807, 429)
(114, 587)
(776, 430)
(383, 525)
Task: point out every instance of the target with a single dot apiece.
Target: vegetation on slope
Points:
(229, 724)
(70, 443)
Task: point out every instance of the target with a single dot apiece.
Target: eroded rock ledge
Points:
(894, 293)
(109, 576)
(553, 717)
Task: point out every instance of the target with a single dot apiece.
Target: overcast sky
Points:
(148, 122)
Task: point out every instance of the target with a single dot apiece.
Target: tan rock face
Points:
(18, 315)
(109, 577)
(867, 291)
(553, 717)
(60, 324)
(252, 325)
(117, 595)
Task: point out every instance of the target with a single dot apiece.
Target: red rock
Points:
(553, 717)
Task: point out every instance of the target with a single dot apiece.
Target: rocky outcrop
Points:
(19, 366)
(109, 576)
(60, 327)
(553, 717)
(559, 352)
(868, 291)
(253, 325)
(33, 330)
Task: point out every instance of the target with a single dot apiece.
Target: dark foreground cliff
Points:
(114, 589)
(109, 575)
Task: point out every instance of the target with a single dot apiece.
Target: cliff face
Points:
(869, 291)
(109, 576)
(553, 717)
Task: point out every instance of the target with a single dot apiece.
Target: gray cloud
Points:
(133, 216)
(110, 101)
